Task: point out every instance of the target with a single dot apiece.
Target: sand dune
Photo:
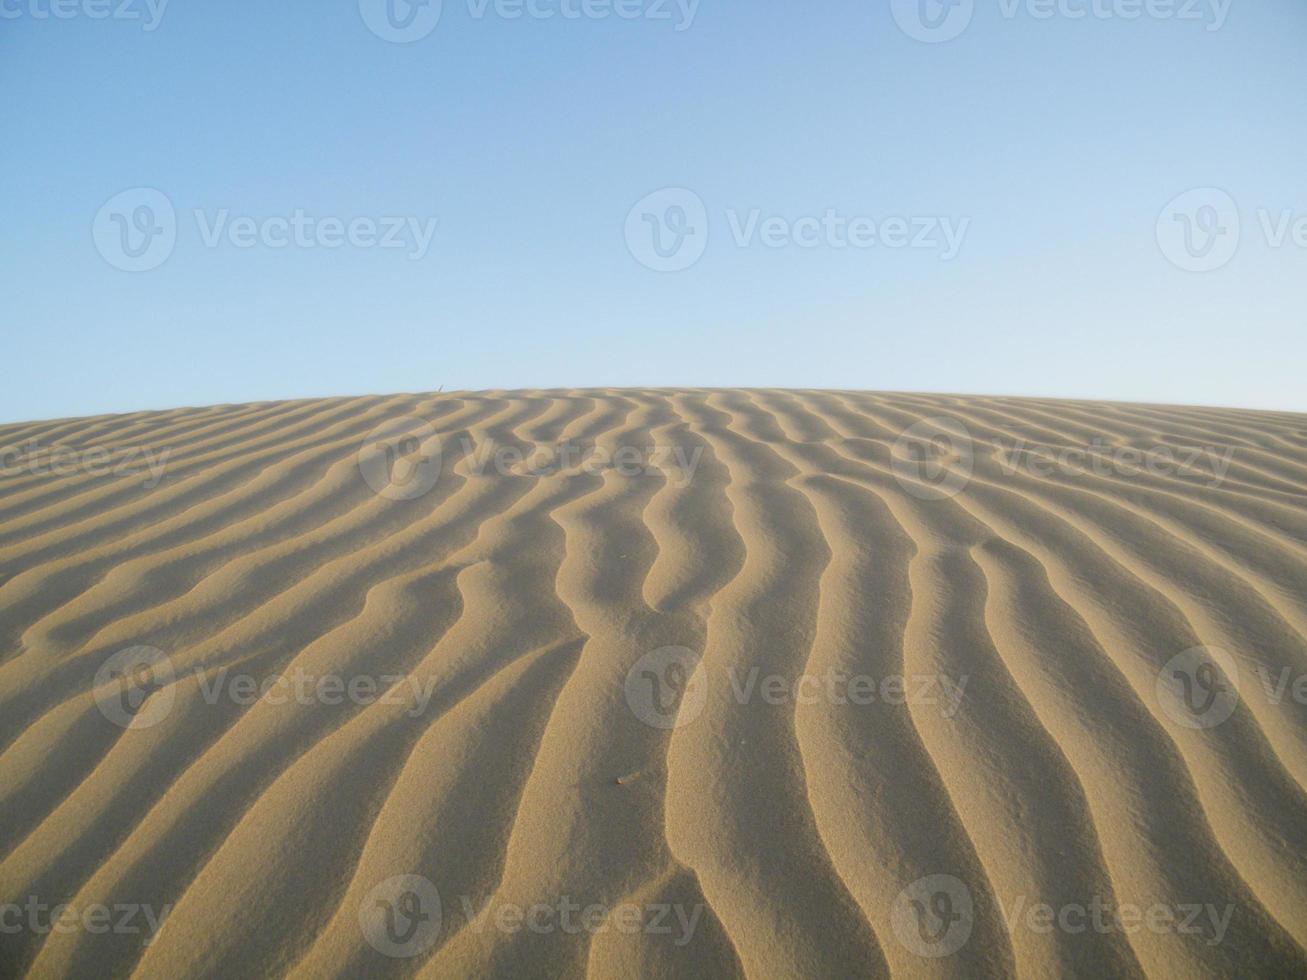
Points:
(655, 683)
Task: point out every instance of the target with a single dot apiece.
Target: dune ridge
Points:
(604, 649)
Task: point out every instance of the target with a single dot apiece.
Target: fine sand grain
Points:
(655, 683)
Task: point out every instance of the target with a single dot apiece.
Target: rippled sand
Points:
(655, 683)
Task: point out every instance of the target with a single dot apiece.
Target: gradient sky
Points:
(1059, 140)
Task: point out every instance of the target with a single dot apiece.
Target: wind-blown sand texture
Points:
(529, 742)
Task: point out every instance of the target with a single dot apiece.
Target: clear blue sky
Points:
(1055, 142)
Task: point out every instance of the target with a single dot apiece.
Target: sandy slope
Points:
(559, 667)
